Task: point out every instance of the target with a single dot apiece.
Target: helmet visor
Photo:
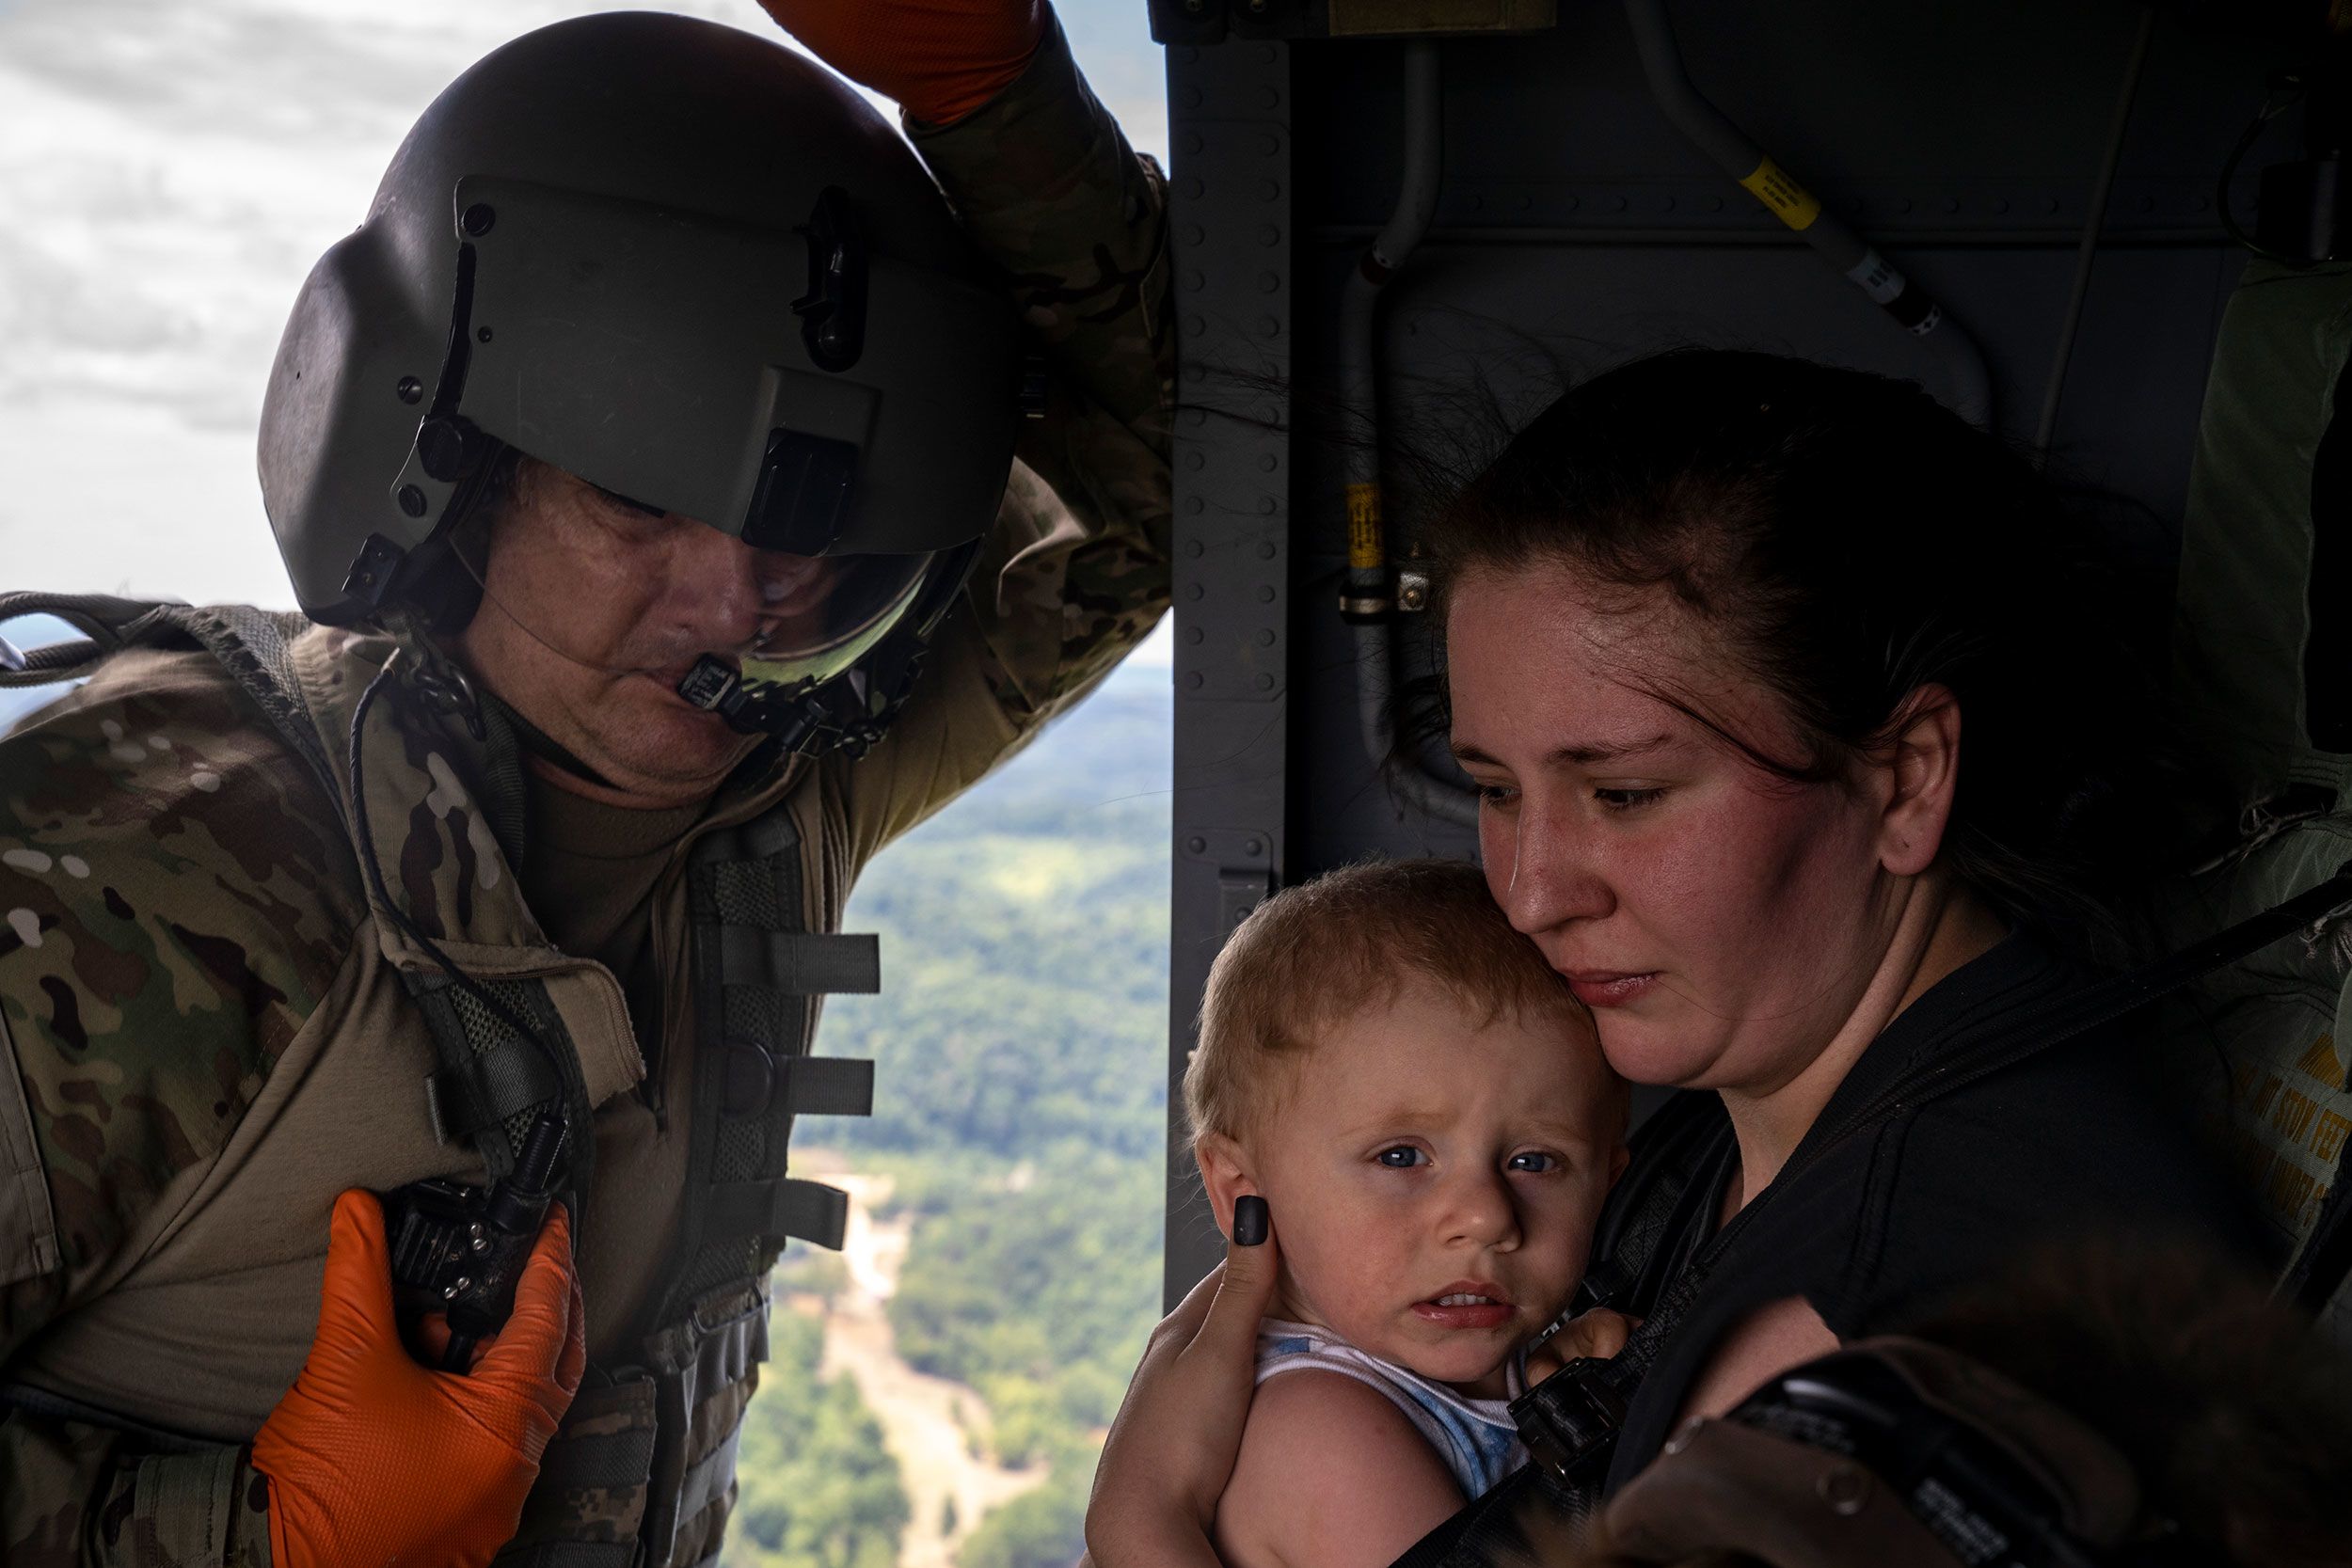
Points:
(610, 584)
(820, 614)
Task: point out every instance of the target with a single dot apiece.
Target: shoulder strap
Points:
(2006, 1042)
(253, 646)
(1570, 1421)
(106, 623)
(1652, 1222)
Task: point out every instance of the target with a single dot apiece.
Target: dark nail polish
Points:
(1250, 1220)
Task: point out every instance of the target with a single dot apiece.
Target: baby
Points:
(1424, 1107)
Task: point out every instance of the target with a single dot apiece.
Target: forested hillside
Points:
(1019, 1103)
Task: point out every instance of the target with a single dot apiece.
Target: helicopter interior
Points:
(2103, 229)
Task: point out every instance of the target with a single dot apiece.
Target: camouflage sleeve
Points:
(73, 1495)
(168, 920)
(1046, 184)
(1077, 569)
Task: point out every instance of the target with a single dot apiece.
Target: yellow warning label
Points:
(2287, 1141)
(2321, 1063)
(1778, 189)
(1364, 551)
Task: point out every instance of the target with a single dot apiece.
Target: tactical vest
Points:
(641, 1471)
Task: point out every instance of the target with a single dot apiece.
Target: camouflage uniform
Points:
(208, 1018)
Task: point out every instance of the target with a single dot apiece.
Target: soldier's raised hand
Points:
(372, 1459)
(941, 59)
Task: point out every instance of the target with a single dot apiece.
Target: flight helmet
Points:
(695, 270)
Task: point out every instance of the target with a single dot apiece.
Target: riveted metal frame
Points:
(1228, 111)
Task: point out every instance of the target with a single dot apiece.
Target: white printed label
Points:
(1875, 277)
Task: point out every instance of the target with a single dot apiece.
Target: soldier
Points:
(628, 462)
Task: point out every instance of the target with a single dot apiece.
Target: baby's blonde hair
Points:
(1318, 953)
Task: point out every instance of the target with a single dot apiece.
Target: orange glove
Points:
(372, 1459)
(941, 59)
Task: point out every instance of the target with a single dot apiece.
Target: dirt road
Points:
(918, 1413)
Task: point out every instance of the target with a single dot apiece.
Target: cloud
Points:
(169, 171)
(269, 71)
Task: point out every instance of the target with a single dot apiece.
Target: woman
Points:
(1810, 749)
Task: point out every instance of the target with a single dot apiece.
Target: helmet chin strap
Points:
(716, 687)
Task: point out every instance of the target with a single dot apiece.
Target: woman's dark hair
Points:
(1849, 541)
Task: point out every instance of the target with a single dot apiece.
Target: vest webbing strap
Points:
(610, 1463)
(491, 1083)
(604, 1459)
(803, 963)
(809, 1211)
(707, 1480)
(571, 1554)
(486, 1086)
(829, 1085)
(697, 1364)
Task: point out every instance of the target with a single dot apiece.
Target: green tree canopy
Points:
(818, 1489)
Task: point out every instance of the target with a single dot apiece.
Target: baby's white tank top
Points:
(1477, 1438)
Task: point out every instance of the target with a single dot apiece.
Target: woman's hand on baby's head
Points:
(1595, 1336)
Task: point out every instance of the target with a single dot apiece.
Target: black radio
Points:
(459, 1249)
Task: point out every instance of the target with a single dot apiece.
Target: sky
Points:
(169, 170)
